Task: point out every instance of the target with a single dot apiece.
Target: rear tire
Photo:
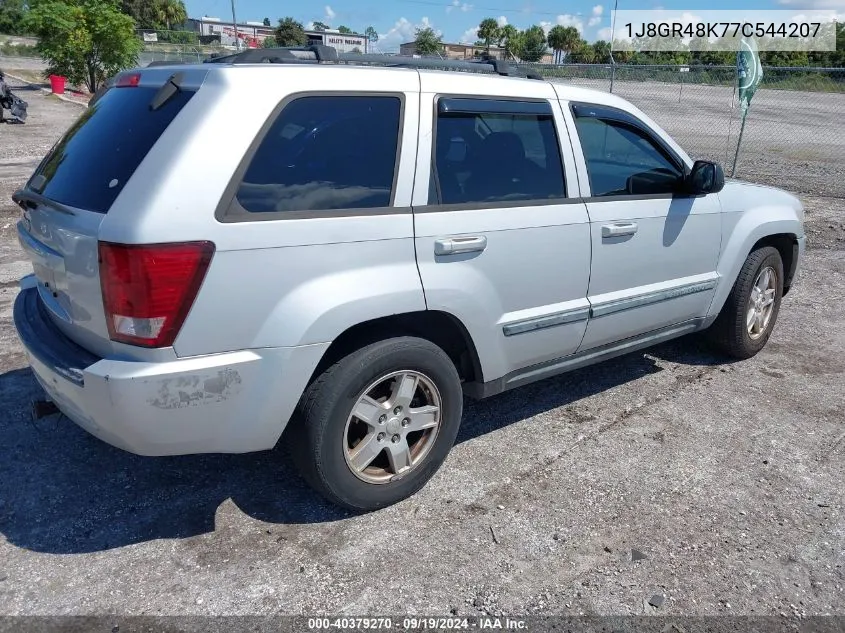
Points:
(406, 394)
(748, 317)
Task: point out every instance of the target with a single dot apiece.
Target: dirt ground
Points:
(727, 479)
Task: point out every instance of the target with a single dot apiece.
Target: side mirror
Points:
(705, 177)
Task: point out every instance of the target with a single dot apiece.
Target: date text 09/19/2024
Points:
(417, 623)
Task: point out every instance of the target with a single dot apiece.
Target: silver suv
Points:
(225, 250)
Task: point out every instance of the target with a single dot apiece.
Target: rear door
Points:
(502, 237)
(654, 248)
(71, 191)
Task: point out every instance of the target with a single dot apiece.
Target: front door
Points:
(502, 237)
(654, 248)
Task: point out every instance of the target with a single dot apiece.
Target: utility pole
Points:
(235, 24)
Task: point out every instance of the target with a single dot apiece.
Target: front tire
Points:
(374, 427)
(748, 317)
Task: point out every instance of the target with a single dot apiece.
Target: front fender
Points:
(743, 230)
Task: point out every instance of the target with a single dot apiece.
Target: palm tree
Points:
(563, 39)
(508, 35)
(170, 12)
(488, 31)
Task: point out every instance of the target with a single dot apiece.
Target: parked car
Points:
(227, 250)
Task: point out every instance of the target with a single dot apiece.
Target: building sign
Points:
(346, 43)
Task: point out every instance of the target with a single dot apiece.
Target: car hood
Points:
(738, 195)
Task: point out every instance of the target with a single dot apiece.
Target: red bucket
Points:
(57, 84)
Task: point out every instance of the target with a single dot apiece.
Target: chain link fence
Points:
(794, 134)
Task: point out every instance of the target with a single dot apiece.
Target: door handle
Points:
(456, 245)
(619, 229)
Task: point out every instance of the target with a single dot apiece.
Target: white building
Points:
(253, 34)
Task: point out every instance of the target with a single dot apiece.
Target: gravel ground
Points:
(727, 478)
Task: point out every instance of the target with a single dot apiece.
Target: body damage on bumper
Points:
(232, 402)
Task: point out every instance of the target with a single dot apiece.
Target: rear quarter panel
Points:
(273, 283)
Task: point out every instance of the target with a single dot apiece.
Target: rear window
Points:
(97, 156)
(325, 153)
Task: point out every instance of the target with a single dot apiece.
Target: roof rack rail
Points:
(319, 53)
(161, 62)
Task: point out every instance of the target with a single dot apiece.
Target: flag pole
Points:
(739, 142)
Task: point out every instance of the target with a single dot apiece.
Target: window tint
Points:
(97, 156)
(496, 158)
(325, 153)
(623, 160)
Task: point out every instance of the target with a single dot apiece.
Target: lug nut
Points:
(406, 422)
(380, 437)
(394, 439)
(397, 410)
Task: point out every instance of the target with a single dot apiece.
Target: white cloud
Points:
(564, 20)
(330, 14)
(597, 13)
(402, 31)
(470, 36)
(501, 21)
(604, 34)
(460, 6)
(814, 4)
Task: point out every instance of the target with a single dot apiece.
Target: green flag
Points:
(749, 72)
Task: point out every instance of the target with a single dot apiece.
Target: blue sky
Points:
(456, 20)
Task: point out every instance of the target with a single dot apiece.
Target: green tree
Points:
(290, 33)
(269, 42)
(532, 44)
(488, 31)
(170, 12)
(266, 22)
(344, 29)
(584, 53)
(427, 41)
(12, 13)
(601, 51)
(371, 34)
(321, 26)
(564, 40)
(84, 40)
(144, 12)
(508, 35)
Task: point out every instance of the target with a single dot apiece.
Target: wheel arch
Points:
(765, 226)
(441, 328)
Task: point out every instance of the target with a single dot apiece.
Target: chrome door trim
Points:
(546, 321)
(657, 296)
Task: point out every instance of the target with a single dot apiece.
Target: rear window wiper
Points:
(167, 91)
(27, 197)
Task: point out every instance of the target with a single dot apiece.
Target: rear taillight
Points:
(128, 80)
(148, 289)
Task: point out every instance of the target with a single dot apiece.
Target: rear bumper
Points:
(233, 402)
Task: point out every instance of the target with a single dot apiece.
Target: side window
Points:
(495, 156)
(622, 160)
(324, 153)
